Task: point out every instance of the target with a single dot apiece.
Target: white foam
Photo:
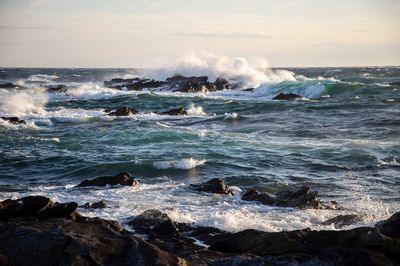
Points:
(195, 110)
(393, 162)
(232, 115)
(92, 90)
(20, 103)
(180, 164)
(239, 71)
(42, 78)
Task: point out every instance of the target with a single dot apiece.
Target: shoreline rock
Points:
(81, 240)
(95, 205)
(13, 120)
(123, 111)
(287, 96)
(214, 185)
(123, 179)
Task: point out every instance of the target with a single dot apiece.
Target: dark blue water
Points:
(343, 140)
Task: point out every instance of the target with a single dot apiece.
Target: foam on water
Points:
(195, 110)
(20, 103)
(42, 78)
(189, 163)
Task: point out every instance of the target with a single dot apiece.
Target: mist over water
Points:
(342, 139)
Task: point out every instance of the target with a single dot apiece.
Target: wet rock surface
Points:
(123, 179)
(95, 205)
(13, 120)
(214, 185)
(78, 240)
(56, 89)
(287, 96)
(301, 198)
(176, 111)
(123, 111)
(343, 220)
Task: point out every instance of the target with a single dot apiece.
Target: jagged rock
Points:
(13, 120)
(214, 185)
(123, 179)
(343, 220)
(301, 198)
(84, 242)
(124, 111)
(37, 207)
(154, 221)
(249, 89)
(136, 84)
(177, 111)
(391, 226)
(222, 84)
(96, 205)
(287, 96)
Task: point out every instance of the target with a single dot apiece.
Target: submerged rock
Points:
(36, 207)
(214, 185)
(123, 179)
(56, 89)
(287, 96)
(8, 85)
(301, 198)
(96, 205)
(123, 111)
(13, 120)
(177, 111)
(343, 220)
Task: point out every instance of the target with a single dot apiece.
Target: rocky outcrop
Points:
(287, 96)
(391, 226)
(56, 88)
(13, 120)
(176, 111)
(214, 185)
(176, 83)
(95, 205)
(123, 111)
(123, 179)
(36, 207)
(343, 220)
(301, 198)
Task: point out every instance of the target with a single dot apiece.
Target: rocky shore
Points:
(35, 230)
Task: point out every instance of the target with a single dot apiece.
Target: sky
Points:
(135, 33)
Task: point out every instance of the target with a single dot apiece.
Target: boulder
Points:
(84, 242)
(176, 111)
(124, 111)
(123, 179)
(136, 84)
(37, 207)
(301, 198)
(56, 89)
(96, 205)
(154, 221)
(13, 120)
(391, 226)
(214, 185)
(343, 220)
(287, 96)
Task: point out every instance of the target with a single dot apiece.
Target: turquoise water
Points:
(343, 141)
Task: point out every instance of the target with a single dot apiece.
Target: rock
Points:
(123, 179)
(85, 242)
(56, 89)
(124, 111)
(288, 96)
(136, 84)
(8, 85)
(37, 207)
(343, 220)
(14, 120)
(154, 221)
(391, 226)
(301, 198)
(177, 111)
(249, 89)
(214, 185)
(96, 205)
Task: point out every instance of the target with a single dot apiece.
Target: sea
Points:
(342, 139)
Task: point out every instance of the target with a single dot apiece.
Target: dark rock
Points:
(124, 111)
(56, 89)
(214, 185)
(287, 96)
(301, 198)
(96, 205)
(343, 220)
(177, 111)
(136, 84)
(13, 120)
(249, 89)
(8, 85)
(85, 242)
(37, 207)
(123, 179)
(154, 221)
(391, 226)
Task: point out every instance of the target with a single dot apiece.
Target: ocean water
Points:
(342, 139)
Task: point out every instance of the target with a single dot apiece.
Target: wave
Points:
(180, 164)
(241, 72)
(20, 103)
(195, 110)
(42, 78)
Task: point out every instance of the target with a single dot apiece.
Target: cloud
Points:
(38, 3)
(244, 35)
